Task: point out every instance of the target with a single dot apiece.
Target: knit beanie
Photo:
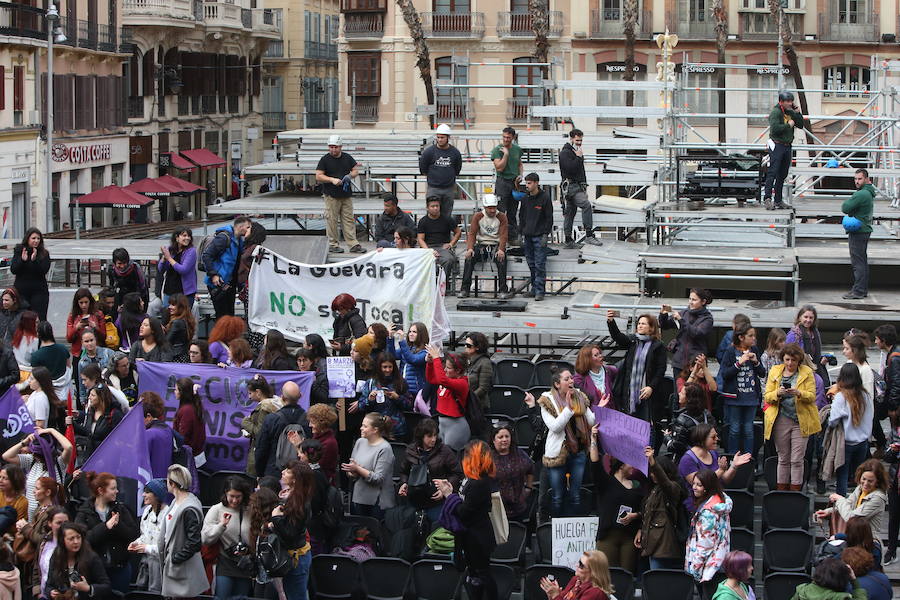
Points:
(364, 345)
(157, 487)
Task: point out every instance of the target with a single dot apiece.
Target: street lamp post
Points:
(53, 32)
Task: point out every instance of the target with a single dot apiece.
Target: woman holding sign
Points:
(567, 413)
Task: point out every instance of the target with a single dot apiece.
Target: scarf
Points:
(45, 449)
(637, 370)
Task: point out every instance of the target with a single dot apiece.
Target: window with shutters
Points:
(185, 139)
(19, 92)
(760, 101)
(365, 69)
(84, 101)
(523, 97)
(452, 103)
(2, 87)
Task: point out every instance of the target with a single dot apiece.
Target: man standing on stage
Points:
(334, 172)
(574, 190)
(507, 159)
(441, 164)
(785, 116)
(536, 220)
(860, 205)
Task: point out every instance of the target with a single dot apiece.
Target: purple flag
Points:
(225, 403)
(15, 413)
(124, 452)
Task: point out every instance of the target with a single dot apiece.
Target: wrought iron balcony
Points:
(842, 25)
(367, 25)
(453, 25)
(274, 121)
(609, 23)
(518, 24)
(366, 109)
(517, 108)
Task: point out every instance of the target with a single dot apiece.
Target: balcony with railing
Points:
(365, 109)
(459, 25)
(274, 121)
(175, 13)
(106, 38)
(839, 24)
(264, 23)
(87, 34)
(518, 24)
(135, 107)
(456, 109)
(320, 119)
(364, 25)
(222, 15)
(319, 50)
(517, 108)
(761, 26)
(696, 26)
(609, 23)
(275, 49)
(22, 21)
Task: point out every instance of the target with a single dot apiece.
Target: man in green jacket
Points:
(860, 205)
(783, 118)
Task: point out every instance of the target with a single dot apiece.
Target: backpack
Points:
(273, 557)
(405, 529)
(441, 541)
(285, 451)
(681, 521)
(474, 415)
(333, 512)
(828, 549)
(203, 245)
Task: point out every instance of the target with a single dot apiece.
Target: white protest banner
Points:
(341, 377)
(572, 537)
(391, 287)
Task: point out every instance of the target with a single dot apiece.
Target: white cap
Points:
(334, 140)
(488, 200)
(443, 129)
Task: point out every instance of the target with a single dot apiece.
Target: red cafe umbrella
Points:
(111, 196)
(153, 188)
(183, 186)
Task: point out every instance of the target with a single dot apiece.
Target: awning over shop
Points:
(180, 163)
(183, 186)
(203, 158)
(111, 196)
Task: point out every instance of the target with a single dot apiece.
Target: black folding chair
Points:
(667, 584)
(531, 588)
(385, 578)
(787, 550)
(335, 577)
(783, 586)
(435, 580)
(513, 371)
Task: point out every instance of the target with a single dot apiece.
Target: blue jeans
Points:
(536, 257)
(232, 587)
(296, 581)
(557, 475)
(854, 455)
(740, 427)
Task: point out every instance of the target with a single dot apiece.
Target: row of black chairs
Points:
(525, 374)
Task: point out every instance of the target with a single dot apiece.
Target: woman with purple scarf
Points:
(639, 380)
(33, 453)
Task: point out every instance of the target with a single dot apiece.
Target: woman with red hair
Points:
(25, 341)
(226, 329)
(476, 541)
(348, 324)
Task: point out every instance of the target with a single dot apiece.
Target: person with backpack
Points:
(663, 533)
(371, 468)
(160, 437)
(289, 524)
(452, 395)
(227, 524)
(260, 392)
(219, 258)
(327, 503)
(273, 449)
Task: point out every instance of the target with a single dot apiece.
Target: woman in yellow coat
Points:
(790, 414)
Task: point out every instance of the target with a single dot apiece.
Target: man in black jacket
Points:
(390, 220)
(536, 223)
(886, 340)
(273, 426)
(574, 190)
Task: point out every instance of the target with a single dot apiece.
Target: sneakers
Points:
(592, 241)
(820, 487)
(570, 245)
(853, 296)
(768, 204)
(336, 249)
(505, 295)
(357, 249)
(780, 206)
(463, 294)
(889, 558)
(529, 294)
(538, 297)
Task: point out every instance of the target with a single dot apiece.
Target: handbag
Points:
(273, 557)
(420, 486)
(499, 522)
(24, 549)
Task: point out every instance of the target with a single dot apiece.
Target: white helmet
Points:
(443, 129)
(488, 200)
(334, 140)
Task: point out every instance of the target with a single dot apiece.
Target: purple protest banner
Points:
(15, 413)
(124, 452)
(225, 403)
(623, 436)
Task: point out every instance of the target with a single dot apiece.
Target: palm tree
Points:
(787, 40)
(720, 14)
(540, 24)
(629, 20)
(423, 57)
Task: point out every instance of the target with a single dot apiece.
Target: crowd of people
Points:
(74, 535)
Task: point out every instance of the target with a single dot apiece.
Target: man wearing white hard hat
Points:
(486, 241)
(441, 163)
(335, 171)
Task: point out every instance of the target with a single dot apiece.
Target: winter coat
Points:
(252, 424)
(694, 328)
(179, 550)
(347, 328)
(658, 536)
(655, 368)
(586, 385)
(710, 538)
(186, 268)
(393, 408)
(9, 369)
(412, 365)
(556, 420)
(386, 225)
(740, 383)
(111, 545)
(10, 585)
(481, 378)
(892, 379)
(812, 591)
(31, 275)
(443, 463)
(861, 205)
(9, 320)
(796, 336)
(872, 508)
(807, 415)
(131, 279)
(833, 451)
(105, 424)
(95, 575)
(272, 427)
(221, 255)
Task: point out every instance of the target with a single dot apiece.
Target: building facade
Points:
(836, 41)
(194, 84)
(300, 85)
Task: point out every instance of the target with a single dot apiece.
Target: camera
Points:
(74, 575)
(832, 359)
(239, 549)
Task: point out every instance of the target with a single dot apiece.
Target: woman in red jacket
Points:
(452, 395)
(591, 581)
(189, 419)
